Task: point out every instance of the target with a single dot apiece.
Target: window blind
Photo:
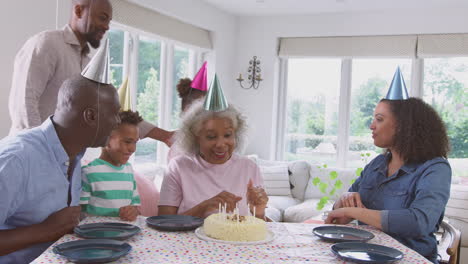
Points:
(358, 46)
(442, 45)
(153, 22)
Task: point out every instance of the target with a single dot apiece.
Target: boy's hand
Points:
(128, 213)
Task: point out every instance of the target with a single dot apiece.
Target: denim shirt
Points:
(412, 200)
(34, 183)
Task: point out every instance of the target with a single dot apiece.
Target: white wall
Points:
(21, 20)
(16, 30)
(259, 36)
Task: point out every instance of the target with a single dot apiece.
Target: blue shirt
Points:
(34, 183)
(412, 200)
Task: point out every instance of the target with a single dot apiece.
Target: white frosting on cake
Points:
(228, 227)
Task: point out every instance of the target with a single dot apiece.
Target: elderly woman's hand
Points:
(257, 197)
(223, 198)
(349, 199)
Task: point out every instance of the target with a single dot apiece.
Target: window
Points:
(116, 46)
(446, 89)
(181, 61)
(316, 91)
(312, 110)
(139, 56)
(149, 57)
(370, 81)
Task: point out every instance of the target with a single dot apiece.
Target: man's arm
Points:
(13, 179)
(54, 227)
(33, 68)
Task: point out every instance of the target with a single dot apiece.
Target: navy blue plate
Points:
(174, 222)
(118, 231)
(342, 234)
(93, 250)
(366, 253)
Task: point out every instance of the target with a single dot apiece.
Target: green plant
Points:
(329, 189)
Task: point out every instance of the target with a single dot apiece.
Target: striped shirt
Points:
(106, 188)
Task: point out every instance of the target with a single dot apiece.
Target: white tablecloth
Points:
(293, 243)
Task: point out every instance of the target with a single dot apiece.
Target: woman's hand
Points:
(256, 196)
(128, 213)
(349, 199)
(338, 216)
(345, 215)
(223, 198)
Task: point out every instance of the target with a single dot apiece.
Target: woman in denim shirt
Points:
(404, 191)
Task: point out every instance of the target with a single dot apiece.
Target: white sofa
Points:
(301, 203)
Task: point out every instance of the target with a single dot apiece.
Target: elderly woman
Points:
(211, 173)
(404, 191)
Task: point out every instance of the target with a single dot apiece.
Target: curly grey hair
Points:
(192, 122)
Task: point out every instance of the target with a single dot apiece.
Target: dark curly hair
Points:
(130, 117)
(188, 94)
(420, 133)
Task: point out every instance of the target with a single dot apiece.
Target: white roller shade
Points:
(359, 46)
(443, 45)
(151, 21)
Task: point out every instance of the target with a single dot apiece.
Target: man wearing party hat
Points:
(404, 191)
(40, 174)
(211, 172)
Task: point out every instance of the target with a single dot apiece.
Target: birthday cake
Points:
(232, 227)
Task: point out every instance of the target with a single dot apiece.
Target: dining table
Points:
(292, 243)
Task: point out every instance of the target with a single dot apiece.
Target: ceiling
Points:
(291, 7)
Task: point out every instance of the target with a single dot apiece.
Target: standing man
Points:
(50, 57)
(40, 173)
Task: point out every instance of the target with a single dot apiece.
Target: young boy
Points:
(109, 188)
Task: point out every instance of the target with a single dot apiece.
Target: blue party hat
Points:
(397, 90)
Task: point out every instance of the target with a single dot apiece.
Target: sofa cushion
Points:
(457, 210)
(149, 195)
(303, 211)
(276, 180)
(463, 227)
(299, 178)
(298, 173)
(274, 214)
(457, 206)
(282, 202)
(345, 175)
